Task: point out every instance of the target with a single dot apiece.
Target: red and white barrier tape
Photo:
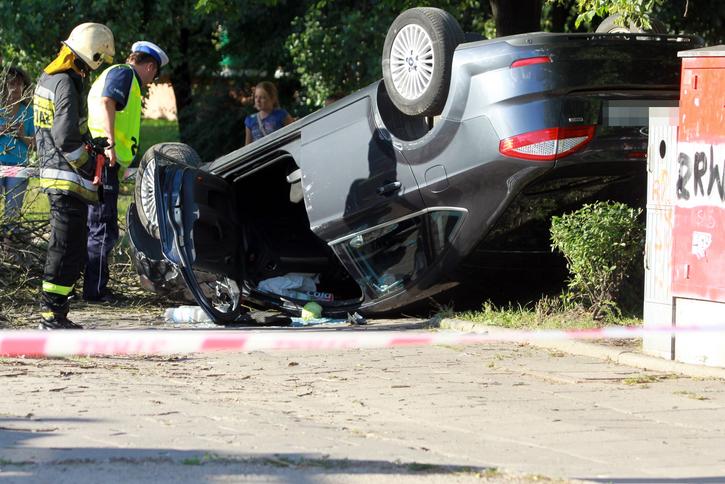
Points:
(19, 171)
(146, 342)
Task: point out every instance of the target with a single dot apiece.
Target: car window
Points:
(390, 256)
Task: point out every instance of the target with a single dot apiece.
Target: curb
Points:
(621, 357)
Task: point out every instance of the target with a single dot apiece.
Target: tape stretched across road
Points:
(17, 171)
(166, 342)
(7, 171)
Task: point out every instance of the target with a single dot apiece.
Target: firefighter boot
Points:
(54, 313)
(51, 320)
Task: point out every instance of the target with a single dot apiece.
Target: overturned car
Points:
(451, 166)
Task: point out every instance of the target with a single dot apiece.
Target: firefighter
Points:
(66, 170)
(114, 112)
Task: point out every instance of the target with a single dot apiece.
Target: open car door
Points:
(199, 232)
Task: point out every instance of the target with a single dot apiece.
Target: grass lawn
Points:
(546, 313)
(153, 131)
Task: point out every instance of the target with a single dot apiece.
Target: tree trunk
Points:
(559, 16)
(516, 16)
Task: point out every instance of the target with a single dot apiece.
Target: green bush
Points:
(600, 242)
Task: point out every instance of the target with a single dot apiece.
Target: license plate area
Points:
(631, 112)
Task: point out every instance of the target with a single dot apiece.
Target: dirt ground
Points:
(71, 397)
(125, 315)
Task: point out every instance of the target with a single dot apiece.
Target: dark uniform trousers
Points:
(102, 236)
(66, 248)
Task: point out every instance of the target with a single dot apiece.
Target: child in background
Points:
(269, 117)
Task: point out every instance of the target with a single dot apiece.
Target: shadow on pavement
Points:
(30, 462)
(657, 480)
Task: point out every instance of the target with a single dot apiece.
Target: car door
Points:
(361, 197)
(354, 177)
(199, 232)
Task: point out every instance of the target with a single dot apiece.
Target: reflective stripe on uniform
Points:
(56, 288)
(68, 186)
(75, 154)
(56, 174)
(44, 92)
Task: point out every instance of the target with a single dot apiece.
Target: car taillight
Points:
(547, 144)
(531, 60)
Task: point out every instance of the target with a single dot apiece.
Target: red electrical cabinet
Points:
(698, 245)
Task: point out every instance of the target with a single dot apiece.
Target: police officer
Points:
(66, 170)
(114, 112)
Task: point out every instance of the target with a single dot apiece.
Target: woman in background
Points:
(269, 116)
(16, 137)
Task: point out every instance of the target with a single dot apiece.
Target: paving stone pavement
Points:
(489, 413)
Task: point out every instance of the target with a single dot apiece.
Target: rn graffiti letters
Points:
(701, 176)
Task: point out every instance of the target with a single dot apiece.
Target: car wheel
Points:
(144, 192)
(417, 59)
(609, 26)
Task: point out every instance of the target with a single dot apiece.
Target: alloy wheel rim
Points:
(148, 194)
(412, 61)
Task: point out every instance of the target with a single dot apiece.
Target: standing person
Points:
(269, 116)
(66, 170)
(114, 112)
(16, 137)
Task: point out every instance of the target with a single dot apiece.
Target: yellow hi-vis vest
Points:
(128, 121)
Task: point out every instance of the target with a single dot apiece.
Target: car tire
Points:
(421, 89)
(609, 26)
(144, 191)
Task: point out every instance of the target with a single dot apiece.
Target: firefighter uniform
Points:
(66, 170)
(66, 174)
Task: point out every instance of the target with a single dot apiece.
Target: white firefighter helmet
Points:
(93, 43)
